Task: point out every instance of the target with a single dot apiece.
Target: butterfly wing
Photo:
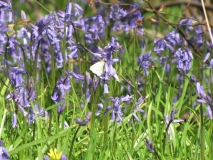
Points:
(98, 68)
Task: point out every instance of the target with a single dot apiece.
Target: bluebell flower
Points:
(4, 154)
(14, 120)
(46, 30)
(6, 12)
(161, 45)
(64, 157)
(97, 28)
(150, 145)
(85, 121)
(23, 15)
(173, 38)
(134, 15)
(186, 24)
(143, 43)
(68, 12)
(184, 58)
(91, 85)
(73, 50)
(25, 113)
(193, 79)
(25, 35)
(15, 76)
(204, 98)
(127, 98)
(5, 6)
(211, 64)
(117, 114)
(209, 112)
(31, 116)
(145, 61)
(137, 109)
(77, 76)
(116, 13)
(39, 113)
(99, 109)
(63, 84)
(206, 57)
(73, 10)
(58, 94)
(199, 40)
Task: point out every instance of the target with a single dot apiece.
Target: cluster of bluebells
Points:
(178, 46)
(126, 20)
(23, 95)
(119, 108)
(204, 98)
(42, 43)
(106, 55)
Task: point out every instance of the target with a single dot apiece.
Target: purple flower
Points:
(184, 58)
(63, 157)
(143, 43)
(206, 57)
(68, 12)
(127, 98)
(134, 15)
(85, 121)
(173, 38)
(104, 68)
(14, 120)
(15, 76)
(63, 84)
(97, 28)
(31, 116)
(4, 154)
(116, 112)
(25, 113)
(72, 10)
(186, 24)
(39, 113)
(144, 61)
(150, 145)
(116, 109)
(203, 98)
(99, 109)
(161, 45)
(5, 6)
(137, 109)
(58, 95)
(193, 79)
(209, 112)
(77, 76)
(116, 13)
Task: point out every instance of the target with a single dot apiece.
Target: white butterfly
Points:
(98, 68)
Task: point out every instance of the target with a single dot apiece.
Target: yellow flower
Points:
(54, 155)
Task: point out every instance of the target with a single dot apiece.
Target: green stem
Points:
(201, 133)
(73, 140)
